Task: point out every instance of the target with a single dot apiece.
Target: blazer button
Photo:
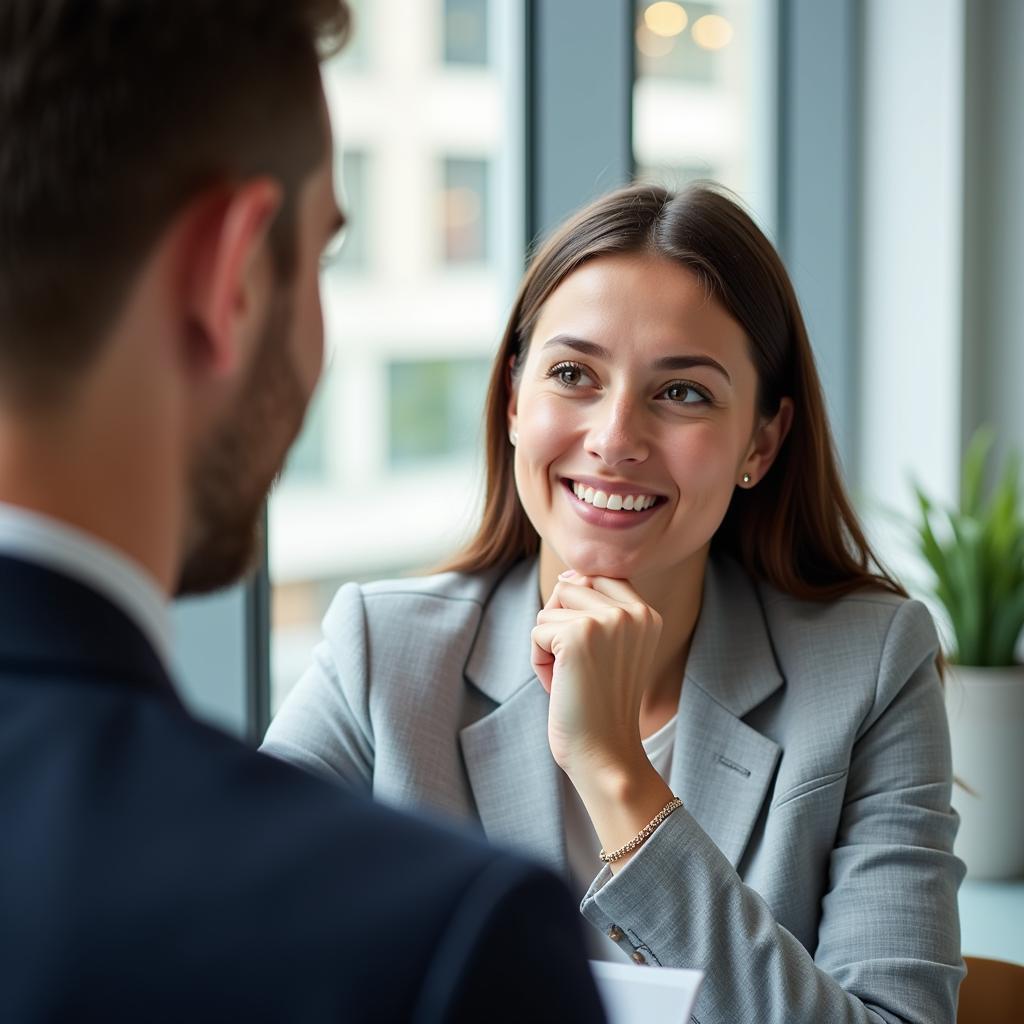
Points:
(638, 957)
(615, 933)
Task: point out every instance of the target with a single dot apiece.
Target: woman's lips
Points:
(609, 517)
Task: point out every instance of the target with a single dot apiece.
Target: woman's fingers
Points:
(621, 591)
(542, 658)
(558, 614)
(578, 596)
(615, 602)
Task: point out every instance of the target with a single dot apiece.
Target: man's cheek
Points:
(308, 345)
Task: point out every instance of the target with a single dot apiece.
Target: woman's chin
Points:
(614, 565)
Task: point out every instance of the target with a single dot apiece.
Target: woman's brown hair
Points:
(796, 529)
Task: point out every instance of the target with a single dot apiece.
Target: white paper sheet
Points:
(646, 995)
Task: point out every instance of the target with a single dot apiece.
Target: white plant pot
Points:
(986, 722)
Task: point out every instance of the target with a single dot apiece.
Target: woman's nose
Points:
(617, 432)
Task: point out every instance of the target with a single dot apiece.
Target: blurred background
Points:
(431, 108)
(879, 143)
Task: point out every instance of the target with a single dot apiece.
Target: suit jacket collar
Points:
(514, 778)
(499, 662)
(722, 768)
(52, 623)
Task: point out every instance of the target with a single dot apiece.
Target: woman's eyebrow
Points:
(591, 348)
(588, 348)
(687, 362)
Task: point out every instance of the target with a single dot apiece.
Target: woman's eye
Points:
(569, 375)
(685, 394)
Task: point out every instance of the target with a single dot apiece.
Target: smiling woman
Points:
(668, 663)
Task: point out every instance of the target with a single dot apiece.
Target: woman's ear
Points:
(766, 444)
(512, 415)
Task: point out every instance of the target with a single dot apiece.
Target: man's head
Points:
(172, 159)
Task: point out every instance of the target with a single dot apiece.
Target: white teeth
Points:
(613, 502)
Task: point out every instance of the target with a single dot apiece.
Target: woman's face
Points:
(634, 418)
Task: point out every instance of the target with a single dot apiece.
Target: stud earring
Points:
(513, 437)
(746, 478)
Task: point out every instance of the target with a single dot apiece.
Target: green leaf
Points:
(973, 474)
(979, 562)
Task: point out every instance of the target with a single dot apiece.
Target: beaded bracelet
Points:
(644, 834)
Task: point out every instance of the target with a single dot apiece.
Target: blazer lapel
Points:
(514, 779)
(722, 768)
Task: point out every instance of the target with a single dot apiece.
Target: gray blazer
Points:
(810, 872)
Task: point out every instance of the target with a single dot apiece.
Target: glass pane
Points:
(436, 407)
(702, 103)
(386, 476)
(465, 210)
(465, 31)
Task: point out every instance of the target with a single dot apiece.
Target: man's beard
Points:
(230, 480)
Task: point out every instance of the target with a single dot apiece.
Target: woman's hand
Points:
(594, 647)
(593, 651)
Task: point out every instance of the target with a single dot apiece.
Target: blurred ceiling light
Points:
(712, 32)
(651, 45)
(665, 19)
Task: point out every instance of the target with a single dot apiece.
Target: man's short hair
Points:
(113, 114)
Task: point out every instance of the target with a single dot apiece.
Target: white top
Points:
(583, 846)
(56, 545)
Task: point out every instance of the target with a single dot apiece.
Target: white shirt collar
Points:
(56, 545)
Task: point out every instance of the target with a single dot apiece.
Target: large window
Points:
(385, 478)
(703, 103)
(429, 115)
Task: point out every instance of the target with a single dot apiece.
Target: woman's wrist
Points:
(621, 798)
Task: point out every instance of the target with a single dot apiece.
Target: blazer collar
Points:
(731, 656)
(499, 663)
(722, 768)
(50, 622)
(514, 779)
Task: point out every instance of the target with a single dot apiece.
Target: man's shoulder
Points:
(169, 848)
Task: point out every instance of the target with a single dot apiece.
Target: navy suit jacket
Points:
(152, 868)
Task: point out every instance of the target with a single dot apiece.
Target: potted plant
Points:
(976, 553)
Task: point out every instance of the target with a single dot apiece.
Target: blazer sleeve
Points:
(889, 936)
(513, 952)
(324, 724)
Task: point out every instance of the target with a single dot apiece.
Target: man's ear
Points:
(229, 276)
(767, 442)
